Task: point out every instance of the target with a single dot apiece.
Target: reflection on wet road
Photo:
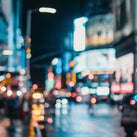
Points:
(76, 121)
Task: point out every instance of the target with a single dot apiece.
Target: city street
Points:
(68, 68)
(80, 123)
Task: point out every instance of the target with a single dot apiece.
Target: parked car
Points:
(128, 108)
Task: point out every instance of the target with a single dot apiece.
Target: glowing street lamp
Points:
(47, 10)
(28, 39)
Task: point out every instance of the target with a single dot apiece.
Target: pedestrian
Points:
(12, 105)
(91, 100)
(25, 109)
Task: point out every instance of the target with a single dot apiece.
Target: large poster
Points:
(123, 76)
(99, 30)
(95, 60)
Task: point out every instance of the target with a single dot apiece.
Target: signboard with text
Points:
(99, 30)
(123, 75)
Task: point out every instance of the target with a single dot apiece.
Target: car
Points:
(128, 108)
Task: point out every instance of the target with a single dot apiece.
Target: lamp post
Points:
(28, 40)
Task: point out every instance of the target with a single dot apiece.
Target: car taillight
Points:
(132, 102)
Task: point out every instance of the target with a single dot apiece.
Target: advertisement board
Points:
(95, 60)
(123, 75)
(99, 30)
(79, 33)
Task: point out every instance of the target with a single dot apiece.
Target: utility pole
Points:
(28, 50)
(135, 49)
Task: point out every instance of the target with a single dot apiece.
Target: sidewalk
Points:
(19, 128)
(4, 123)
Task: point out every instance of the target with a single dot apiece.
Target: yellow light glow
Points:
(69, 94)
(34, 106)
(28, 51)
(7, 52)
(41, 118)
(41, 106)
(29, 40)
(8, 75)
(36, 112)
(37, 96)
(93, 100)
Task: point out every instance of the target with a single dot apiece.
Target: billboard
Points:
(123, 15)
(99, 30)
(79, 33)
(95, 60)
(123, 74)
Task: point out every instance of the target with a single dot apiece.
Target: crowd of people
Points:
(14, 107)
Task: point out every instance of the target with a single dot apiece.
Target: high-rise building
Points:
(12, 55)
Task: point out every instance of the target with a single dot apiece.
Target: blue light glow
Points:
(59, 66)
(135, 97)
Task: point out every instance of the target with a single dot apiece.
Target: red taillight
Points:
(132, 102)
(73, 94)
(50, 120)
(78, 98)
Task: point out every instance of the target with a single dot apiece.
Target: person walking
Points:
(12, 105)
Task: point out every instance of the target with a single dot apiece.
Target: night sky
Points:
(49, 30)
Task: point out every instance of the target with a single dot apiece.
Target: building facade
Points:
(12, 55)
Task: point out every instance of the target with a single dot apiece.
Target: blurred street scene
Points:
(68, 68)
(73, 120)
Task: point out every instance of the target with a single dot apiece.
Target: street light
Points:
(47, 10)
(28, 40)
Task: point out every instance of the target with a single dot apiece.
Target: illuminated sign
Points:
(99, 30)
(115, 88)
(37, 95)
(103, 91)
(123, 74)
(68, 78)
(123, 88)
(72, 63)
(50, 76)
(95, 60)
(79, 33)
(58, 82)
(49, 84)
(73, 77)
